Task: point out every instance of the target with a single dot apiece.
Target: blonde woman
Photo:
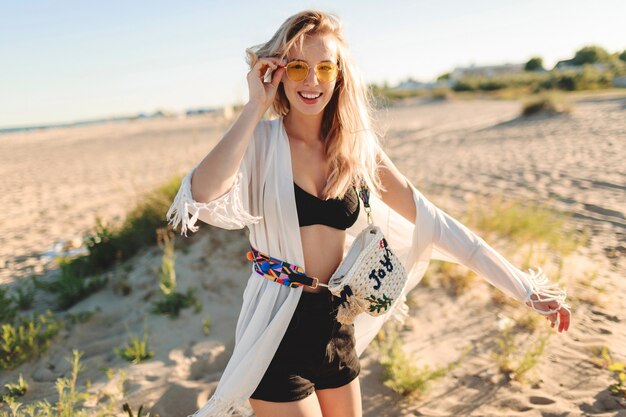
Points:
(291, 181)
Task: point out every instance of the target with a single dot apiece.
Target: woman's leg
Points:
(306, 407)
(344, 401)
(337, 397)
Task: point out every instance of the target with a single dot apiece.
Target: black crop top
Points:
(337, 213)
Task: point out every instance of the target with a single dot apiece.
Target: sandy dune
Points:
(55, 183)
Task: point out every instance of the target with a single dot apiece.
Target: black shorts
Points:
(302, 362)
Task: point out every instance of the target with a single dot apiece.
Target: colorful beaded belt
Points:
(280, 271)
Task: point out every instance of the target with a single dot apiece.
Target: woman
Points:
(290, 180)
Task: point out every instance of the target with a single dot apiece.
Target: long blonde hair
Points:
(350, 143)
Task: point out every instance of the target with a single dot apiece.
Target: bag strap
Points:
(364, 193)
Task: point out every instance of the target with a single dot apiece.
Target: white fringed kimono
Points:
(262, 198)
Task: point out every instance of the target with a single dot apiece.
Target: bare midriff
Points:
(322, 247)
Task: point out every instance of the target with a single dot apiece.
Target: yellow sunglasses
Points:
(325, 71)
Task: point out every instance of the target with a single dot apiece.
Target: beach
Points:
(457, 152)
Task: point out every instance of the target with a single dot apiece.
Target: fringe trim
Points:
(226, 211)
(545, 291)
(356, 306)
(218, 407)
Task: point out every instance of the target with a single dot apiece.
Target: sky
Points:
(65, 61)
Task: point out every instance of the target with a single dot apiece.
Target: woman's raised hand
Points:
(260, 92)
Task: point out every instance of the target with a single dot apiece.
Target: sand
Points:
(57, 181)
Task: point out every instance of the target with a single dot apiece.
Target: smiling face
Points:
(315, 49)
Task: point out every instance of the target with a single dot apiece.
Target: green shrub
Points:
(15, 390)
(71, 398)
(534, 64)
(527, 81)
(108, 245)
(171, 304)
(549, 104)
(401, 375)
(618, 388)
(601, 357)
(75, 282)
(589, 78)
(171, 301)
(27, 339)
(590, 54)
(206, 326)
(135, 350)
(24, 296)
(465, 84)
(7, 307)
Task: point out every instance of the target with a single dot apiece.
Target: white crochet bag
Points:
(370, 278)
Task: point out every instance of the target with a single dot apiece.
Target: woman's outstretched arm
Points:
(454, 238)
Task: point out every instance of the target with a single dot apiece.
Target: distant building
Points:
(485, 71)
(565, 63)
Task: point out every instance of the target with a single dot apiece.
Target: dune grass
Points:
(172, 301)
(23, 338)
(109, 246)
(514, 363)
(16, 389)
(206, 326)
(75, 282)
(27, 338)
(526, 223)
(546, 103)
(136, 350)
(601, 358)
(21, 299)
(73, 399)
(7, 307)
(456, 279)
(526, 227)
(400, 373)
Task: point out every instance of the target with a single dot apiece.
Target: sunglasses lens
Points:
(297, 71)
(326, 72)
